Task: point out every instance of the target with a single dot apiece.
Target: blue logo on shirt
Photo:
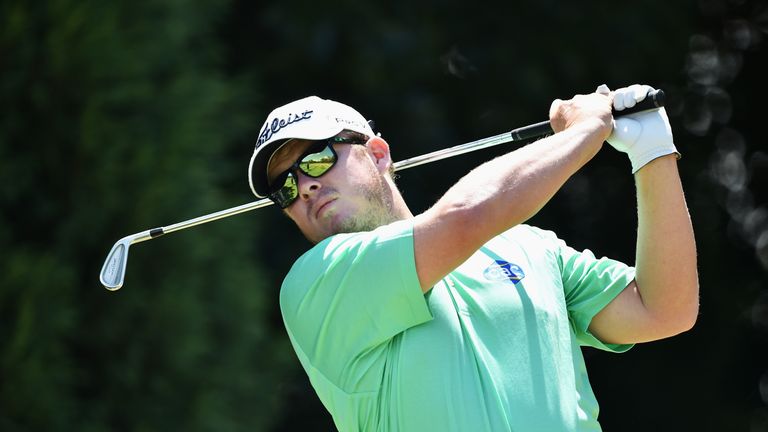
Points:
(503, 270)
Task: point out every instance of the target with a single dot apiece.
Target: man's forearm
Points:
(496, 196)
(667, 277)
(514, 187)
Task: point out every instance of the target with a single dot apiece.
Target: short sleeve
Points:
(590, 284)
(349, 295)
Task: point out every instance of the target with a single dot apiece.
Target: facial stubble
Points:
(378, 207)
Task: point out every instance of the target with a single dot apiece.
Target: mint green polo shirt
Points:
(494, 346)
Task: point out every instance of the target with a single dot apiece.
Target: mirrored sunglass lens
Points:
(287, 192)
(316, 164)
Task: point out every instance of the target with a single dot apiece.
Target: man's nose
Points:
(308, 186)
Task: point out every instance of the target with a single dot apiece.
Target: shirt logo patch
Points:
(502, 270)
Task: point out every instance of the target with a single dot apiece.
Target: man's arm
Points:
(508, 190)
(664, 298)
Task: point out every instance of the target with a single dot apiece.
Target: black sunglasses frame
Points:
(285, 195)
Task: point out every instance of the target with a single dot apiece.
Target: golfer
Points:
(462, 318)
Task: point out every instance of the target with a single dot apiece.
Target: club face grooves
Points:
(113, 271)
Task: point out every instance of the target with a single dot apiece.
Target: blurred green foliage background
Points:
(122, 116)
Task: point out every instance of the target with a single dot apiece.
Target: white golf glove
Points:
(643, 136)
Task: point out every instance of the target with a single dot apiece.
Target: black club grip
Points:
(654, 99)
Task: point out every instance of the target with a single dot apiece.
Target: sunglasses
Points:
(316, 161)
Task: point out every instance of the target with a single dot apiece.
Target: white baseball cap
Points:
(311, 118)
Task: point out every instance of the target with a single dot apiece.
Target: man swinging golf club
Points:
(462, 318)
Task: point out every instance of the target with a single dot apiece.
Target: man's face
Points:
(352, 196)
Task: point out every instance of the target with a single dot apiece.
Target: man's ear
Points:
(379, 150)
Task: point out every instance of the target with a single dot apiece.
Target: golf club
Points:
(112, 273)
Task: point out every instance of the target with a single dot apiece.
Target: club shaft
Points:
(156, 232)
(458, 150)
(113, 271)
